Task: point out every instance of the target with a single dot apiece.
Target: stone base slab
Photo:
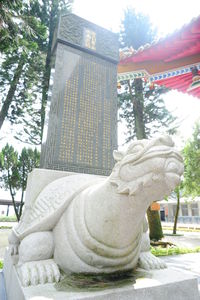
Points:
(167, 284)
(2, 287)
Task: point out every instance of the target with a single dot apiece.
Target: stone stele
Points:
(80, 131)
(92, 224)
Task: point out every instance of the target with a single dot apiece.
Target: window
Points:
(195, 210)
(184, 208)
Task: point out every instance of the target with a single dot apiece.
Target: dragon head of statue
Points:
(153, 167)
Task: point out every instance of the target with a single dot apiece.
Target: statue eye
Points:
(172, 167)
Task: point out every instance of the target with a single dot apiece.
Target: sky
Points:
(167, 16)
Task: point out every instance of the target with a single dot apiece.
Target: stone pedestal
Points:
(2, 287)
(164, 284)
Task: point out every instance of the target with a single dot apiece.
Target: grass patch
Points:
(5, 227)
(1, 264)
(8, 219)
(95, 282)
(159, 251)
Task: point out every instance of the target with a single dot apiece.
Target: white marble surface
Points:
(95, 224)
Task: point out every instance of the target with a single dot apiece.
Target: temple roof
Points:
(167, 61)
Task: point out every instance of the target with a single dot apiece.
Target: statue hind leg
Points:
(36, 264)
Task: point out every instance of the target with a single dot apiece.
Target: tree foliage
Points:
(14, 169)
(144, 110)
(9, 12)
(191, 155)
(20, 73)
(136, 29)
(26, 57)
(49, 13)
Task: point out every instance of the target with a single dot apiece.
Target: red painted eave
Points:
(180, 83)
(183, 43)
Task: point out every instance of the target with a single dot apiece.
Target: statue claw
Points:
(13, 249)
(148, 261)
(38, 272)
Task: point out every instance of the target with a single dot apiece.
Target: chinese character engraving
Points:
(90, 39)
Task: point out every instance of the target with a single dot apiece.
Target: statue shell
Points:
(53, 200)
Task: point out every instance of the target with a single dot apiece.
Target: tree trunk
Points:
(45, 90)
(7, 213)
(23, 179)
(47, 70)
(11, 92)
(138, 108)
(177, 212)
(155, 228)
(21, 204)
(13, 201)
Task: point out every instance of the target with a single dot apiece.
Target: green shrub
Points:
(159, 251)
(1, 264)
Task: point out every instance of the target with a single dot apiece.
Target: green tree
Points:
(9, 13)
(191, 154)
(14, 169)
(136, 29)
(143, 110)
(49, 13)
(141, 106)
(15, 20)
(20, 73)
(25, 72)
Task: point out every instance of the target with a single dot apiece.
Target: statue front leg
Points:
(36, 264)
(147, 260)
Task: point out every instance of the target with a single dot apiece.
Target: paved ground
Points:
(189, 262)
(185, 239)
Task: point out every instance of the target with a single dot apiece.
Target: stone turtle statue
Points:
(92, 224)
